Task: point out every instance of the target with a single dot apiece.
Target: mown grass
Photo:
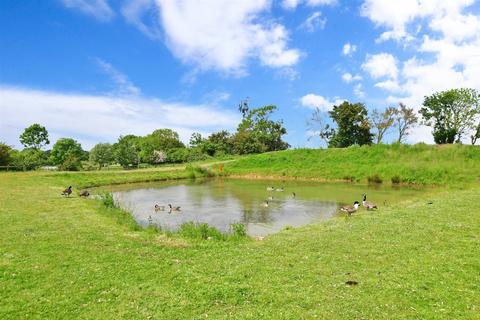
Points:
(422, 164)
(64, 258)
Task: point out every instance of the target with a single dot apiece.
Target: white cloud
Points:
(93, 118)
(313, 22)
(100, 9)
(292, 4)
(348, 49)
(313, 101)
(348, 77)
(225, 35)
(381, 65)
(138, 12)
(123, 85)
(358, 91)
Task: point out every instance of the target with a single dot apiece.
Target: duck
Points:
(350, 209)
(265, 204)
(368, 205)
(159, 208)
(67, 192)
(279, 189)
(270, 188)
(173, 208)
(84, 193)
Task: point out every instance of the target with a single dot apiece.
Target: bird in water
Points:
(67, 192)
(159, 208)
(265, 204)
(171, 208)
(367, 204)
(270, 198)
(84, 193)
(350, 209)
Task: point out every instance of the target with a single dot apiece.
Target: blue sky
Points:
(95, 70)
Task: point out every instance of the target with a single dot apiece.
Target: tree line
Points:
(256, 133)
(453, 114)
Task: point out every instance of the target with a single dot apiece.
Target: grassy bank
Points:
(423, 164)
(63, 258)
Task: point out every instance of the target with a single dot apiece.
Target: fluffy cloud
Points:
(313, 22)
(348, 49)
(314, 101)
(92, 119)
(224, 35)
(348, 77)
(292, 4)
(381, 65)
(100, 9)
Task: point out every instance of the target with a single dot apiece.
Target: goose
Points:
(294, 195)
(159, 208)
(84, 193)
(350, 209)
(270, 198)
(279, 189)
(368, 205)
(67, 192)
(173, 208)
(270, 188)
(265, 204)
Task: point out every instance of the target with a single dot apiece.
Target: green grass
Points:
(423, 164)
(64, 258)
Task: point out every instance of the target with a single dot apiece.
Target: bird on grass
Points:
(270, 188)
(294, 195)
(265, 204)
(350, 209)
(279, 189)
(368, 205)
(270, 198)
(84, 193)
(159, 208)
(173, 208)
(67, 192)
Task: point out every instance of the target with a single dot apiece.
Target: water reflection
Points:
(221, 202)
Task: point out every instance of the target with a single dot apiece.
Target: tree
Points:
(66, 148)
(101, 154)
(352, 125)
(451, 113)
(6, 154)
(258, 133)
(405, 119)
(126, 150)
(196, 140)
(382, 121)
(160, 139)
(222, 142)
(34, 136)
(29, 159)
(317, 126)
(476, 134)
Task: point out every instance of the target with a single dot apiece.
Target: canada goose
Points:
(84, 193)
(294, 195)
(368, 205)
(270, 198)
(159, 208)
(270, 188)
(67, 191)
(173, 208)
(279, 189)
(265, 204)
(350, 209)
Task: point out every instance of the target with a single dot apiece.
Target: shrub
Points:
(375, 178)
(71, 163)
(396, 179)
(107, 200)
(239, 229)
(200, 231)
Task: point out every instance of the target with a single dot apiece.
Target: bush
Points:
(200, 231)
(396, 179)
(238, 229)
(375, 179)
(71, 163)
(107, 200)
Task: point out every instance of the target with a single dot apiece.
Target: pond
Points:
(221, 202)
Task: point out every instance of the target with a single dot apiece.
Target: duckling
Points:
(159, 208)
(67, 192)
(270, 188)
(279, 189)
(368, 205)
(173, 208)
(84, 193)
(350, 209)
(265, 204)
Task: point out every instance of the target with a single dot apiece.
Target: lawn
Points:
(63, 258)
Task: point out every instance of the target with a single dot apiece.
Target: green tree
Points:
(381, 122)
(258, 133)
(318, 126)
(352, 125)
(405, 119)
(66, 148)
(101, 154)
(160, 140)
(6, 154)
(29, 159)
(34, 136)
(451, 113)
(126, 151)
(222, 142)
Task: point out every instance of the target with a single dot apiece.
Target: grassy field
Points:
(63, 258)
(448, 164)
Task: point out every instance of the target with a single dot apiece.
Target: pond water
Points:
(221, 202)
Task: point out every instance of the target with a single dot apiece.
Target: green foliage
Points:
(102, 154)
(451, 113)
(35, 136)
(107, 200)
(353, 127)
(66, 148)
(6, 154)
(396, 179)
(200, 231)
(160, 140)
(126, 151)
(375, 178)
(239, 229)
(71, 163)
(29, 159)
(405, 118)
(382, 122)
(257, 133)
